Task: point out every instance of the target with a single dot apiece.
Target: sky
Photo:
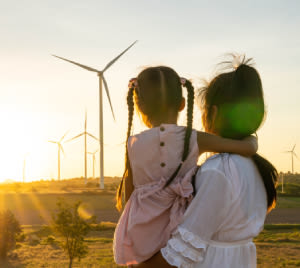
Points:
(41, 97)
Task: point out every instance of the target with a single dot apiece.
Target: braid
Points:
(190, 106)
(127, 171)
(188, 132)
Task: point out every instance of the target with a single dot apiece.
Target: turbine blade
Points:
(78, 64)
(53, 141)
(295, 155)
(116, 58)
(92, 136)
(75, 137)
(108, 96)
(63, 136)
(293, 147)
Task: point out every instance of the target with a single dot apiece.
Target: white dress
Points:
(227, 212)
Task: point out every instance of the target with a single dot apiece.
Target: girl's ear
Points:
(182, 104)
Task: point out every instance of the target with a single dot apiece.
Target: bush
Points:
(9, 230)
(68, 224)
(50, 240)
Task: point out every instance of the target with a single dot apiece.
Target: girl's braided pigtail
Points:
(127, 172)
(188, 132)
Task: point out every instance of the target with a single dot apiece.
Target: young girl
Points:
(160, 163)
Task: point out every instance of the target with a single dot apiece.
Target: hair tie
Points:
(133, 83)
(182, 81)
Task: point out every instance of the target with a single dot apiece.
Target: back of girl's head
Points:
(158, 94)
(238, 97)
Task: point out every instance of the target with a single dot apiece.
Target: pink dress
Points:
(153, 212)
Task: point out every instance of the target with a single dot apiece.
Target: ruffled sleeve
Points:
(202, 219)
(184, 249)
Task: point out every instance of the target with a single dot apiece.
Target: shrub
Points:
(50, 240)
(9, 230)
(68, 224)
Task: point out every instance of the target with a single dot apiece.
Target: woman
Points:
(234, 193)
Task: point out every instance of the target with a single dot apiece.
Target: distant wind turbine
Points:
(101, 79)
(60, 148)
(84, 133)
(292, 152)
(94, 160)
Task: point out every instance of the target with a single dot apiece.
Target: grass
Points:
(290, 189)
(288, 202)
(32, 203)
(277, 246)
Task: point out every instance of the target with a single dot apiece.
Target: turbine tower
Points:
(94, 160)
(85, 133)
(101, 80)
(60, 148)
(292, 152)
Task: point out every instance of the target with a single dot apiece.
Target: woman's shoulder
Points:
(225, 164)
(222, 160)
(237, 170)
(215, 162)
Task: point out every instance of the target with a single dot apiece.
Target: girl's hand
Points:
(253, 141)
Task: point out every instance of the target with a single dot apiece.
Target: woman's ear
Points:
(214, 112)
(182, 104)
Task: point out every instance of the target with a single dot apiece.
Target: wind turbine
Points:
(101, 80)
(60, 148)
(292, 152)
(94, 160)
(85, 133)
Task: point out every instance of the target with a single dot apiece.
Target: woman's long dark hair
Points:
(238, 96)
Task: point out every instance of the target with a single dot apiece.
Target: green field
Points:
(33, 203)
(277, 246)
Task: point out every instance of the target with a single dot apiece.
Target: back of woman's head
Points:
(238, 97)
(232, 106)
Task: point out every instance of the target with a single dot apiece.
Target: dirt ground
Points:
(279, 215)
(284, 215)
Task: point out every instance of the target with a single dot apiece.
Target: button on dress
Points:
(153, 211)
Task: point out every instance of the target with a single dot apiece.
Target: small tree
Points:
(9, 230)
(68, 224)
